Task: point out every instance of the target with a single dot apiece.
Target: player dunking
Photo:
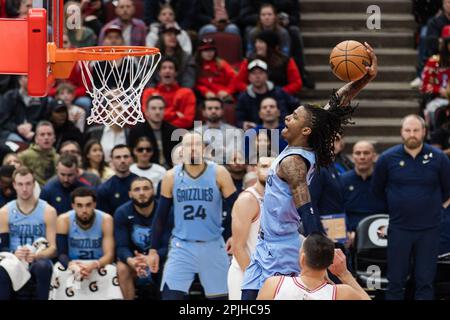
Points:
(310, 132)
(195, 188)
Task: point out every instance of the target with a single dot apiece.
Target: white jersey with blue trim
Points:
(293, 288)
(279, 214)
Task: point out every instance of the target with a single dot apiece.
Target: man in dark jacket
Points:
(65, 130)
(20, 113)
(247, 108)
(158, 131)
(434, 28)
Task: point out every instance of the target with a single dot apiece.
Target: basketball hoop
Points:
(114, 77)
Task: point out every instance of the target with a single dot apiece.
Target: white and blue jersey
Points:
(197, 205)
(85, 244)
(277, 249)
(197, 246)
(25, 228)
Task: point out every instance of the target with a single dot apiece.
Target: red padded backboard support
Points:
(37, 52)
(24, 49)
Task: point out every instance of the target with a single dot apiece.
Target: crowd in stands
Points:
(433, 68)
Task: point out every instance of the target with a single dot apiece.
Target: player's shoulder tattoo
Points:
(293, 169)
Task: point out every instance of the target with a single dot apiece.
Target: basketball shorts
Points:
(207, 259)
(279, 256)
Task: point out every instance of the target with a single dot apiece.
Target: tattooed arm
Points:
(293, 170)
(351, 89)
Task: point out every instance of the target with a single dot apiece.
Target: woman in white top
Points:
(167, 16)
(143, 151)
(94, 160)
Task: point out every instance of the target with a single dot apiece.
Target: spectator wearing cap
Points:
(214, 75)
(434, 29)
(180, 101)
(217, 16)
(283, 71)
(170, 47)
(167, 16)
(413, 180)
(436, 75)
(247, 108)
(113, 36)
(58, 115)
(20, 113)
(134, 30)
(66, 92)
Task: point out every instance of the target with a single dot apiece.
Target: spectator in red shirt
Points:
(283, 71)
(214, 75)
(180, 109)
(435, 77)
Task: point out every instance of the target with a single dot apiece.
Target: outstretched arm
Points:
(229, 193)
(293, 170)
(160, 219)
(351, 89)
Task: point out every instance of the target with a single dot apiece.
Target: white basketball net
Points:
(116, 88)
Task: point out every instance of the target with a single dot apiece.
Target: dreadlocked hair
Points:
(326, 126)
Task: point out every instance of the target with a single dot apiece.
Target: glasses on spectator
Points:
(144, 149)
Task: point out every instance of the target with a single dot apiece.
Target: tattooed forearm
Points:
(293, 170)
(351, 90)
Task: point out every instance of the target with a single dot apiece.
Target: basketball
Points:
(348, 60)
